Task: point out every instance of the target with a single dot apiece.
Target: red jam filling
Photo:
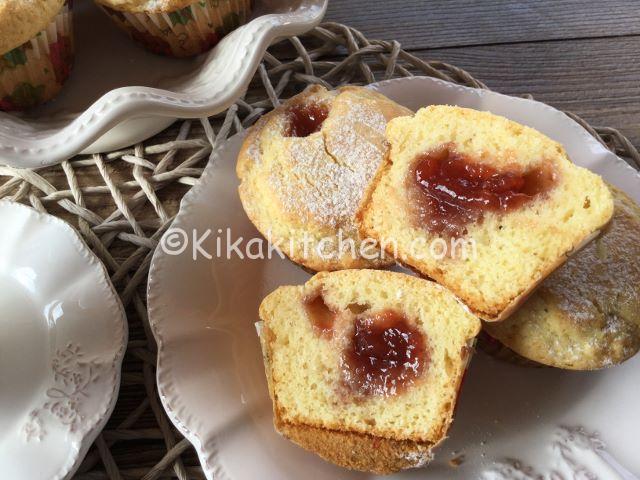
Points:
(321, 316)
(453, 190)
(385, 355)
(305, 119)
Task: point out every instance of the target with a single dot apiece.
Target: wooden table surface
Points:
(577, 55)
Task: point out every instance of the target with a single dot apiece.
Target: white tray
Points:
(120, 94)
(211, 376)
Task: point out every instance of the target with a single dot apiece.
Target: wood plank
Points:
(598, 79)
(446, 23)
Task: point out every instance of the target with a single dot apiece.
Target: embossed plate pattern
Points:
(62, 338)
(210, 370)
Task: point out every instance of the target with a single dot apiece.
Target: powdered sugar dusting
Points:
(332, 169)
(603, 278)
(598, 295)
(253, 151)
(418, 459)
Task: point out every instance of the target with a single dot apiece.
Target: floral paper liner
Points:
(184, 32)
(35, 71)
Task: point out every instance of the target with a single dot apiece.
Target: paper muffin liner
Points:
(184, 32)
(35, 71)
(499, 351)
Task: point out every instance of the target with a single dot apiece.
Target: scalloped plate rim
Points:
(116, 106)
(166, 386)
(84, 438)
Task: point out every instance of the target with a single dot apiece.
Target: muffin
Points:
(586, 315)
(483, 205)
(36, 47)
(177, 28)
(364, 366)
(304, 168)
(499, 351)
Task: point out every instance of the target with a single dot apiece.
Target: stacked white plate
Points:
(119, 93)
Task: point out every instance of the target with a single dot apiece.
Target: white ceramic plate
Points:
(62, 338)
(210, 372)
(120, 94)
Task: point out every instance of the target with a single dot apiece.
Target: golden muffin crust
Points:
(21, 20)
(151, 6)
(586, 315)
(358, 451)
(309, 187)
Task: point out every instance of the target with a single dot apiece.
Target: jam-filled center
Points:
(385, 355)
(322, 317)
(303, 119)
(453, 190)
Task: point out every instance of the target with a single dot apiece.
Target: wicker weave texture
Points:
(122, 202)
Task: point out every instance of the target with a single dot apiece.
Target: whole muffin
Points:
(586, 315)
(179, 28)
(304, 169)
(36, 51)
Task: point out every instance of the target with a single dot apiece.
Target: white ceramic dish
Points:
(62, 339)
(120, 94)
(210, 371)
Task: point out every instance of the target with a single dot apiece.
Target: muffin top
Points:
(586, 315)
(21, 20)
(304, 168)
(154, 6)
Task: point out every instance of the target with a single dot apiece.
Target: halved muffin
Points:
(481, 204)
(364, 366)
(304, 168)
(585, 315)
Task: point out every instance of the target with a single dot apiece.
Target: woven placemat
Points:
(122, 202)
